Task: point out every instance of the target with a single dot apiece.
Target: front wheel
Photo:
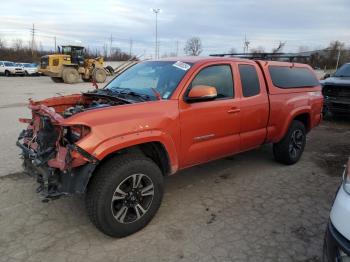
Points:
(289, 150)
(124, 195)
(99, 75)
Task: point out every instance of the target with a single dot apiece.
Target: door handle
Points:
(234, 110)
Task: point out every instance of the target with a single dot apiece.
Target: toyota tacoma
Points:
(116, 144)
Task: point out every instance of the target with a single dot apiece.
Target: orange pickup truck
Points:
(117, 143)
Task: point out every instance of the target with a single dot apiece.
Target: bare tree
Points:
(258, 50)
(279, 48)
(2, 43)
(303, 48)
(193, 46)
(232, 50)
(18, 44)
(105, 50)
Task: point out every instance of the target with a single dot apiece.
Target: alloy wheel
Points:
(296, 143)
(132, 198)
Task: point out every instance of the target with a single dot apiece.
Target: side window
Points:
(292, 77)
(249, 80)
(218, 76)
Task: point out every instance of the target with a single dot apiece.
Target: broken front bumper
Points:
(54, 182)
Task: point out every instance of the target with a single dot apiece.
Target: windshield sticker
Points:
(182, 65)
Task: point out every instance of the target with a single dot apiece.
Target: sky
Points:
(220, 24)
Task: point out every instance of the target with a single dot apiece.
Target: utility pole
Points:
(55, 45)
(338, 59)
(246, 44)
(130, 47)
(33, 39)
(156, 11)
(110, 45)
(177, 48)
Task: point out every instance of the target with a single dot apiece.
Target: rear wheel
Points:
(70, 75)
(99, 75)
(289, 150)
(57, 79)
(7, 73)
(124, 194)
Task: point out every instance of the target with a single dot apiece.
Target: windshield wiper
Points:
(129, 92)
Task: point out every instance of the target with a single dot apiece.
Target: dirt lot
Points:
(242, 208)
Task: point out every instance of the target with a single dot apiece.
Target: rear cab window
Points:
(249, 80)
(292, 77)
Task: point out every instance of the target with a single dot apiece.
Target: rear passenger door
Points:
(254, 105)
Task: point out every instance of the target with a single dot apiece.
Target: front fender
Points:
(115, 144)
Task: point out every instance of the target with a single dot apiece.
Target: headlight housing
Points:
(76, 132)
(346, 178)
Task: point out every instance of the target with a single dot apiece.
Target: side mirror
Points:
(201, 93)
(326, 76)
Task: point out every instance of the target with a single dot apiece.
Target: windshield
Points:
(149, 77)
(343, 71)
(9, 64)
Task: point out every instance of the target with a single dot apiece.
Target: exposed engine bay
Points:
(95, 103)
(49, 145)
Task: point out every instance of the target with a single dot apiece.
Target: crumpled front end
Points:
(49, 151)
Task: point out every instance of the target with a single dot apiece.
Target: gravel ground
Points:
(242, 208)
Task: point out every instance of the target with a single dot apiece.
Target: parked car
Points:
(30, 69)
(337, 240)
(116, 143)
(336, 91)
(9, 68)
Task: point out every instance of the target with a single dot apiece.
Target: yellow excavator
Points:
(70, 65)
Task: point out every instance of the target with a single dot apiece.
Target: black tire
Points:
(70, 75)
(289, 150)
(110, 69)
(26, 73)
(57, 79)
(7, 73)
(99, 75)
(104, 184)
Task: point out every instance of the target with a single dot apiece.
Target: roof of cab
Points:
(200, 59)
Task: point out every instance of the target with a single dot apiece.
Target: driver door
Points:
(210, 129)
